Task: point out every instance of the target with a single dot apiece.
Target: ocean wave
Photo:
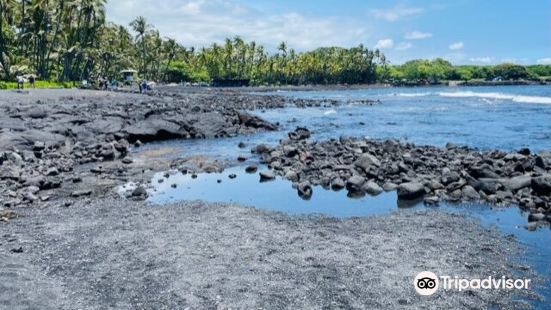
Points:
(412, 94)
(329, 112)
(498, 96)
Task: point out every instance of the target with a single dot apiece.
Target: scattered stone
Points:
(535, 217)
(80, 193)
(6, 215)
(39, 146)
(304, 190)
(354, 184)
(470, 193)
(174, 185)
(337, 184)
(542, 185)
(139, 192)
(431, 200)
(242, 145)
(366, 161)
(299, 134)
(372, 188)
(127, 161)
(17, 250)
(52, 171)
(411, 191)
(266, 176)
(292, 176)
(241, 158)
(389, 186)
(251, 169)
(232, 176)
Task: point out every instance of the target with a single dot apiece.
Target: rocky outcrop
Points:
(451, 173)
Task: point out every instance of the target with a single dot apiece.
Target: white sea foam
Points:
(497, 96)
(329, 112)
(413, 94)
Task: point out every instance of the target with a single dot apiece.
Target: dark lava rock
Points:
(366, 161)
(534, 217)
(39, 146)
(542, 185)
(139, 192)
(469, 193)
(251, 169)
(127, 161)
(232, 176)
(411, 191)
(266, 176)
(372, 188)
(292, 176)
(354, 184)
(17, 250)
(241, 158)
(80, 193)
(304, 190)
(52, 171)
(260, 149)
(299, 134)
(489, 186)
(241, 145)
(337, 184)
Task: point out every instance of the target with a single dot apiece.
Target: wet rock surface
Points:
(452, 173)
(51, 141)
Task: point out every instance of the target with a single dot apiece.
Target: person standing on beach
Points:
(31, 81)
(144, 86)
(20, 82)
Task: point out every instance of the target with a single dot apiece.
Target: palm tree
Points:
(170, 48)
(7, 8)
(140, 26)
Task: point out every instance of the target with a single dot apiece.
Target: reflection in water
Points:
(517, 116)
(278, 195)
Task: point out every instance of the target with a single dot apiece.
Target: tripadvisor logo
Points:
(427, 283)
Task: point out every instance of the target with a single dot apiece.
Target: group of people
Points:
(104, 84)
(21, 81)
(143, 86)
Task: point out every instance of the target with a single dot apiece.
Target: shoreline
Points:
(66, 151)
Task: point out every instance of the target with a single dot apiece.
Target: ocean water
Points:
(505, 118)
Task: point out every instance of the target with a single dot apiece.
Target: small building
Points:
(128, 75)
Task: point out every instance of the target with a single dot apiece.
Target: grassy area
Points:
(38, 84)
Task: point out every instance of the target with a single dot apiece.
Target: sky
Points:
(461, 31)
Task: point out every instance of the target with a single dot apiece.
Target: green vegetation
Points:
(437, 70)
(68, 41)
(38, 84)
(71, 41)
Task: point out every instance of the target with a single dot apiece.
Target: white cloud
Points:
(396, 13)
(417, 35)
(403, 46)
(384, 43)
(544, 61)
(200, 23)
(481, 59)
(456, 46)
(509, 60)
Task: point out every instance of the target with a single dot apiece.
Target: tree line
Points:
(70, 40)
(436, 70)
